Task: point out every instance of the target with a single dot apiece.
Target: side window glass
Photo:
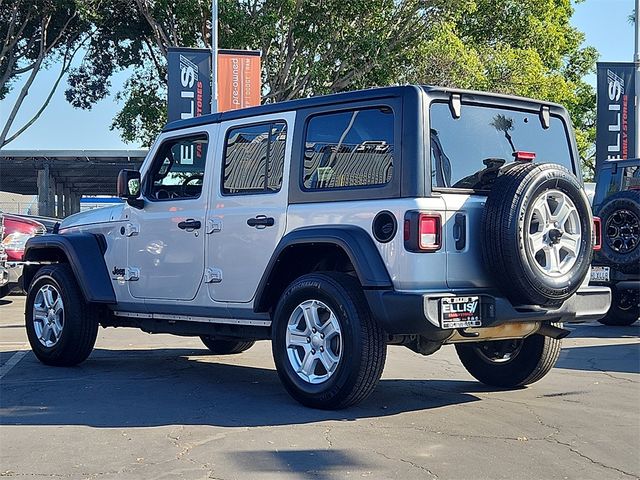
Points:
(178, 169)
(353, 148)
(631, 178)
(254, 159)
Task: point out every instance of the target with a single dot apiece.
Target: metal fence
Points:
(23, 208)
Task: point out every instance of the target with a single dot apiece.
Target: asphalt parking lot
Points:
(157, 406)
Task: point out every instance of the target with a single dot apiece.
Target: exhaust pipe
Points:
(552, 331)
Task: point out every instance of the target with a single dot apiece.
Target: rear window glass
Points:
(468, 151)
(631, 178)
(352, 148)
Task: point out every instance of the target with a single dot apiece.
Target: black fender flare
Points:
(85, 254)
(354, 241)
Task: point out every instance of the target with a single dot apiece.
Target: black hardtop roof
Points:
(336, 98)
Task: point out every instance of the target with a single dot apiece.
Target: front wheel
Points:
(61, 326)
(328, 351)
(510, 363)
(226, 347)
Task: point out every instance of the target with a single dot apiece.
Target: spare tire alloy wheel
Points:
(554, 233)
(622, 231)
(620, 214)
(536, 234)
(48, 315)
(314, 341)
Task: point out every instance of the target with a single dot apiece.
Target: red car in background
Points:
(15, 230)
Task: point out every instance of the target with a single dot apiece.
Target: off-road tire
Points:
(627, 201)
(535, 359)
(363, 342)
(226, 347)
(622, 313)
(504, 252)
(80, 328)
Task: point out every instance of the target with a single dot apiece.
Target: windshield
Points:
(469, 151)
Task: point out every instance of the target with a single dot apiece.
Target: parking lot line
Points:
(13, 361)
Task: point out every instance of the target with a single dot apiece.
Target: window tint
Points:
(254, 158)
(178, 169)
(349, 149)
(467, 152)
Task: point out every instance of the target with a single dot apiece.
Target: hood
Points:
(89, 217)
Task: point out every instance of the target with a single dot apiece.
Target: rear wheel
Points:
(226, 347)
(624, 310)
(510, 363)
(61, 326)
(328, 351)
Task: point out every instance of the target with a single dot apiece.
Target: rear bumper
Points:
(419, 313)
(619, 280)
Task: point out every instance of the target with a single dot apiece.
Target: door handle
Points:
(261, 221)
(190, 225)
(460, 231)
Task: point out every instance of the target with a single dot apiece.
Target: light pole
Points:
(636, 60)
(214, 55)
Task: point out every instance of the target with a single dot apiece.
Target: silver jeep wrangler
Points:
(335, 226)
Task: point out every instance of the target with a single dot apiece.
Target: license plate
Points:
(460, 312)
(599, 274)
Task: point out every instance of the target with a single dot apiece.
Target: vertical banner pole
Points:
(214, 55)
(636, 59)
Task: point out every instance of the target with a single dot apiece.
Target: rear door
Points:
(466, 156)
(248, 212)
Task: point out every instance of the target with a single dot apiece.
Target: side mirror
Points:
(129, 187)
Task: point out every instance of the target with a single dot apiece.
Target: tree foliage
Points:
(35, 35)
(311, 47)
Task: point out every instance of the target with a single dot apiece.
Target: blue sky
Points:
(603, 21)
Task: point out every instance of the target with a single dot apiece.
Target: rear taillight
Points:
(422, 232)
(597, 233)
(14, 244)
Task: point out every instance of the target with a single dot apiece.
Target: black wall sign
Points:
(189, 83)
(615, 126)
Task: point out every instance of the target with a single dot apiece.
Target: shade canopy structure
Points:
(61, 177)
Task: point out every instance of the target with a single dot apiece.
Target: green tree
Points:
(36, 34)
(311, 47)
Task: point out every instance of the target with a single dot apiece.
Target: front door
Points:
(166, 236)
(249, 205)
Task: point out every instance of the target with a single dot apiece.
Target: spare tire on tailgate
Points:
(620, 215)
(536, 232)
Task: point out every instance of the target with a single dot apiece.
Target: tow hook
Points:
(553, 332)
(463, 333)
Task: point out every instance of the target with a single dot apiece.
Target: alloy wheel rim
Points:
(314, 341)
(553, 234)
(48, 315)
(623, 231)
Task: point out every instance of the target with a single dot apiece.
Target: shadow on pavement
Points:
(140, 388)
(603, 331)
(318, 464)
(617, 357)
